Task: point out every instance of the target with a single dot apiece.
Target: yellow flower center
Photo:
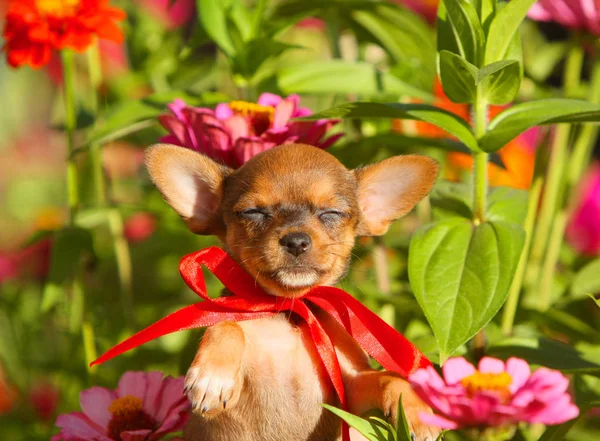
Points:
(260, 117)
(58, 8)
(496, 383)
(252, 110)
(128, 414)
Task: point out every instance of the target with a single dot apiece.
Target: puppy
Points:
(289, 217)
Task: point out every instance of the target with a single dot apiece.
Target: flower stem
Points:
(480, 188)
(480, 179)
(115, 219)
(556, 169)
(510, 308)
(70, 126)
(95, 75)
(123, 257)
(581, 152)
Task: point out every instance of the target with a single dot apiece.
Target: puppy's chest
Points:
(280, 359)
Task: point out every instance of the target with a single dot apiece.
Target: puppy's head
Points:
(290, 215)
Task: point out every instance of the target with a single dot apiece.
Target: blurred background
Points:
(331, 52)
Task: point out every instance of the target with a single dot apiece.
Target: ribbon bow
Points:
(249, 301)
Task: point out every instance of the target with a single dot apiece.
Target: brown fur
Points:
(261, 380)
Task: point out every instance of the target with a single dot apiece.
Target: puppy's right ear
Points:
(191, 183)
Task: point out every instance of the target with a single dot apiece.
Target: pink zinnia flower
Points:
(236, 131)
(143, 407)
(583, 231)
(576, 14)
(494, 395)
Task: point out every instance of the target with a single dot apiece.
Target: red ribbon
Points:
(249, 301)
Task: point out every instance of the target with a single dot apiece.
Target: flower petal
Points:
(437, 420)
(134, 384)
(95, 402)
(489, 365)
(519, 371)
(76, 426)
(457, 368)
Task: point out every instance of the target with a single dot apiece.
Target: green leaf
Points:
(486, 10)
(256, 52)
(466, 29)
(502, 85)
(549, 353)
(69, 246)
(402, 427)
(450, 200)
(516, 119)
(399, 31)
(503, 27)
(458, 77)
(213, 18)
(507, 205)
(240, 15)
(363, 426)
(461, 273)
(337, 76)
(587, 280)
(597, 301)
(441, 118)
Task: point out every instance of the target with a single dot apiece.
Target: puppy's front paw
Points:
(213, 388)
(391, 390)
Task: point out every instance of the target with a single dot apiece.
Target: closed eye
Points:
(254, 214)
(331, 215)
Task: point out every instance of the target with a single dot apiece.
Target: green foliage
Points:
(520, 117)
(460, 274)
(587, 280)
(440, 276)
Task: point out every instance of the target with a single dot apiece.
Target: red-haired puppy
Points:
(289, 217)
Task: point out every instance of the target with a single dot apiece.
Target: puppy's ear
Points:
(390, 189)
(191, 183)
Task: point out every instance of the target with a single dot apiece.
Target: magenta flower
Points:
(576, 14)
(583, 231)
(144, 407)
(494, 395)
(235, 132)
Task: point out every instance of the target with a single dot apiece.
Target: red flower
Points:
(34, 28)
(44, 398)
(139, 227)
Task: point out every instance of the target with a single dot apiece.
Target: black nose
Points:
(295, 243)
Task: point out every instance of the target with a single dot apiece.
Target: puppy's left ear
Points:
(390, 189)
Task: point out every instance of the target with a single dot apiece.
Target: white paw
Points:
(212, 391)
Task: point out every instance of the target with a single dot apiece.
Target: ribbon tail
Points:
(194, 316)
(326, 351)
(386, 345)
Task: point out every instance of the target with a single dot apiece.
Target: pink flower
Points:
(143, 407)
(583, 231)
(497, 394)
(139, 227)
(236, 131)
(576, 14)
